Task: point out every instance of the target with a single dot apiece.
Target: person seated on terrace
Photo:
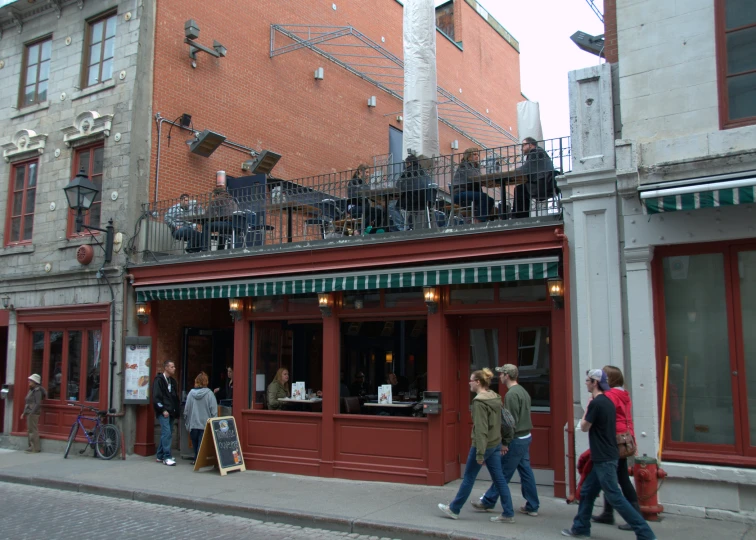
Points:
(540, 184)
(278, 389)
(358, 203)
(413, 190)
(466, 186)
(181, 229)
(227, 219)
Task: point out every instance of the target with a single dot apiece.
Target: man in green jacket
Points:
(515, 453)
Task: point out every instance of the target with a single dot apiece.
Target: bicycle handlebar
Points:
(82, 407)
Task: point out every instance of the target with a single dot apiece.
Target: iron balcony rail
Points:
(420, 194)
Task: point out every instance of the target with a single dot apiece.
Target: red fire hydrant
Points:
(647, 474)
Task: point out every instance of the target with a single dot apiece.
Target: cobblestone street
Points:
(33, 512)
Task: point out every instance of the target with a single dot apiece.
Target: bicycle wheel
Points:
(71, 438)
(108, 441)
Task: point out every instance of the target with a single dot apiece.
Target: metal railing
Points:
(465, 189)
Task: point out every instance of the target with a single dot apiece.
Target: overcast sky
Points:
(543, 28)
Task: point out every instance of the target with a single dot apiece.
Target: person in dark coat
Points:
(228, 388)
(413, 186)
(165, 400)
(539, 171)
(466, 186)
(358, 203)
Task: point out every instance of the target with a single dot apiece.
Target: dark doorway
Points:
(211, 351)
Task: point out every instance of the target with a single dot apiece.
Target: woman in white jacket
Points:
(200, 405)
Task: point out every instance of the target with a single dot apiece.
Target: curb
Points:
(261, 513)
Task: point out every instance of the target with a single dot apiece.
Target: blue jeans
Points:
(196, 436)
(492, 459)
(603, 476)
(193, 238)
(482, 202)
(166, 437)
(517, 459)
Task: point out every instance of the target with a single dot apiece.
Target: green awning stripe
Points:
(506, 271)
(704, 199)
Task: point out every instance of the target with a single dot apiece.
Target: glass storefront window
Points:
(265, 304)
(409, 297)
(533, 359)
(55, 365)
(38, 353)
(523, 291)
(747, 273)
(481, 293)
(484, 353)
(307, 302)
(700, 376)
(74, 365)
(94, 347)
(362, 300)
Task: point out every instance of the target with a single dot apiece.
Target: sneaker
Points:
(625, 527)
(503, 519)
(524, 510)
(478, 505)
(159, 460)
(448, 511)
(170, 462)
(573, 534)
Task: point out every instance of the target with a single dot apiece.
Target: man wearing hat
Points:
(599, 421)
(515, 453)
(32, 408)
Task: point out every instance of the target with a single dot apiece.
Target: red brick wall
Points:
(275, 103)
(610, 31)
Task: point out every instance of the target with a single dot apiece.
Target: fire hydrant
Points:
(647, 475)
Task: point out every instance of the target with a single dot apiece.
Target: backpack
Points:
(507, 425)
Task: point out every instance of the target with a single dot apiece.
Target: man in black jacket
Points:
(166, 402)
(539, 171)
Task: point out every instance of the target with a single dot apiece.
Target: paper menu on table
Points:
(384, 394)
(298, 390)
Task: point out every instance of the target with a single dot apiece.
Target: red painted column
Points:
(144, 444)
(436, 364)
(241, 373)
(331, 363)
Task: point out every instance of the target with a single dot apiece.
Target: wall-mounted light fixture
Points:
(455, 144)
(389, 357)
(556, 291)
(399, 118)
(236, 308)
(143, 312)
(191, 32)
(81, 193)
(261, 163)
(7, 303)
(205, 143)
(431, 298)
(325, 304)
(185, 120)
(319, 74)
(372, 101)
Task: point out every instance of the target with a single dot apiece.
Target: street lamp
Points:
(81, 193)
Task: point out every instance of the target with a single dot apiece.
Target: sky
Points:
(543, 28)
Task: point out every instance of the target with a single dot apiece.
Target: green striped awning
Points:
(459, 274)
(693, 197)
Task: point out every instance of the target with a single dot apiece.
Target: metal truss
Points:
(363, 57)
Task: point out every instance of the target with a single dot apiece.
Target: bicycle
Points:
(104, 438)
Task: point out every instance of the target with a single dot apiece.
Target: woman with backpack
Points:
(486, 447)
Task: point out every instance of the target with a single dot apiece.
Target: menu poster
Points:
(298, 390)
(136, 370)
(384, 394)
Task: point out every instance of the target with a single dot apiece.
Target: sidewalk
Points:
(374, 508)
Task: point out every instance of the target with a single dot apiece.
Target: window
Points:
(736, 58)
(21, 203)
(91, 160)
(35, 72)
(709, 301)
(69, 362)
(99, 50)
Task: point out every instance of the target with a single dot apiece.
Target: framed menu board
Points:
(136, 370)
(220, 446)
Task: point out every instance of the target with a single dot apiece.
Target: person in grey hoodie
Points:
(200, 405)
(486, 447)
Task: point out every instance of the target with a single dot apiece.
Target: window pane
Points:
(747, 273)
(32, 175)
(94, 349)
(533, 359)
(741, 51)
(44, 71)
(74, 365)
(484, 352)
(28, 225)
(98, 157)
(97, 32)
(110, 30)
(107, 70)
(274, 351)
(20, 174)
(700, 380)
(739, 13)
(38, 354)
(522, 291)
(29, 95)
(33, 56)
(18, 199)
(15, 235)
(94, 54)
(30, 201)
(31, 74)
(42, 91)
(55, 379)
(742, 96)
(362, 300)
(94, 215)
(411, 296)
(472, 294)
(94, 73)
(46, 49)
(109, 48)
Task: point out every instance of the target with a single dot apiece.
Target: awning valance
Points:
(457, 274)
(700, 195)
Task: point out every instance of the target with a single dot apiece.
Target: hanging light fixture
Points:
(556, 291)
(431, 298)
(325, 304)
(143, 312)
(236, 308)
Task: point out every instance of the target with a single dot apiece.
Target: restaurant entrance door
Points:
(522, 340)
(208, 350)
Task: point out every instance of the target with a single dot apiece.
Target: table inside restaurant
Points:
(397, 408)
(314, 404)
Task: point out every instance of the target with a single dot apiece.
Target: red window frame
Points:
(26, 213)
(742, 452)
(24, 81)
(721, 32)
(96, 178)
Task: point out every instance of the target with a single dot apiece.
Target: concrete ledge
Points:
(713, 473)
(747, 518)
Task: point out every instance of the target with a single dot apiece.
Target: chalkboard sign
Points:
(220, 445)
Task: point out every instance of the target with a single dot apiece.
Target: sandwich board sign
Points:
(220, 446)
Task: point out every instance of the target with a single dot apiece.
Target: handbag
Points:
(626, 443)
